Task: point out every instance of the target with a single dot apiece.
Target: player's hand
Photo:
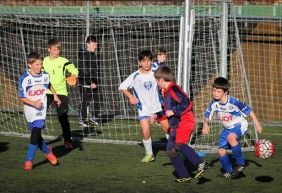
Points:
(57, 100)
(37, 104)
(169, 113)
(258, 128)
(93, 85)
(133, 100)
(206, 130)
(153, 118)
(71, 80)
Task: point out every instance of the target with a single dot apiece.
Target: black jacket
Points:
(88, 66)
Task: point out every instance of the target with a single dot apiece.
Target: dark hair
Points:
(33, 56)
(145, 54)
(91, 38)
(54, 42)
(165, 73)
(221, 83)
(161, 51)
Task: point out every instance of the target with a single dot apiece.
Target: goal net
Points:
(122, 31)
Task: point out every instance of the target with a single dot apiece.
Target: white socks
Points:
(148, 146)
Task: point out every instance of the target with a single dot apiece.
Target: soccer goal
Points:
(122, 31)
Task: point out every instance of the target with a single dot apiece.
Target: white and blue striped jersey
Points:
(232, 113)
(145, 88)
(33, 88)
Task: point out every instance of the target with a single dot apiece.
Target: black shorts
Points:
(64, 106)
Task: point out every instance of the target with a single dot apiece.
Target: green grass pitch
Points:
(93, 167)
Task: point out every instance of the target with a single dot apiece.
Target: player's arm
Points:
(72, 79)
(257, 124)
(132, 99)
(207, 117)
(124, 86)
(56, 98)
(34, 103)
(206, 127)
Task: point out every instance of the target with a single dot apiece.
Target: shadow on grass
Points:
(264, 179)
(3, 146)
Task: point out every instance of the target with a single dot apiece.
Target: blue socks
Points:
(225, 162)
(238, 155)
(44, 148)
(31, 152)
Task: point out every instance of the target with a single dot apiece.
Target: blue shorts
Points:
(37, 124)
(223, 143)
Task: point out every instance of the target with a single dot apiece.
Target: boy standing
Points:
(178, 109)
(33, 85)
(57, 67)
(88, 66)
(146, 97)
(161, 58)
(232, 113)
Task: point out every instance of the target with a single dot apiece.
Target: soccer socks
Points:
(179, 167)
(190, 154)
(225, 162)
(148, 146)
(44, 148)
(31, 152)
(238, 155)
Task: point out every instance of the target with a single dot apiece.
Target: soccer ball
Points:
(264, 148)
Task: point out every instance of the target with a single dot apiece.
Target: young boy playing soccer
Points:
(57, 67)
(33, 85)
(161, 58)
(146, 97)
(232, 113)
(178, 109)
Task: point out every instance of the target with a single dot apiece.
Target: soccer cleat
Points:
(27, 165)
(183, 180)
(202, 167)
(148, 158)
(240, 168)
(68, 145)
(232, 175)
(93, 122)
(51, 157)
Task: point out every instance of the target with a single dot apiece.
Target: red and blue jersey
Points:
(176, 99)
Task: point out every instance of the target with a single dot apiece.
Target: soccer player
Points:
(88, 66)
(161, 58)
(178, 109)
(232, 113)
(58, 67)
(146, 97)
(33, 85)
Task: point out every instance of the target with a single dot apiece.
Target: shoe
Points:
(202, 167)
(27, 165)
(240, 168)
(51, 157)
(68, 145)
(183, 180)
(232, 175)
(83, 123)
(92, 122)
(148, 158)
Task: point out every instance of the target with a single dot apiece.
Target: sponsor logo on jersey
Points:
(226, 118)
(36, 92)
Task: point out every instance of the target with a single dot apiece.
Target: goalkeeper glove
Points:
(71, 80)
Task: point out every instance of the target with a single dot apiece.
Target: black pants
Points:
(62, 112)
(88, 95)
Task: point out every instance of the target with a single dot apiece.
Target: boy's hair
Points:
(32, 57)
(221, 83)
(54, 42)
(90, 38)
(165, 73)
(145, 54)
(161, 51)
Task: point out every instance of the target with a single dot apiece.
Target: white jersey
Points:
(145, 88)
(232, 113)
(33, 88)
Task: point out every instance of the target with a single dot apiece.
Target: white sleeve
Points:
(127, 83)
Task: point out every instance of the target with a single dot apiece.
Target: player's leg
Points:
(96, 102)
(83, 107)
(34, 141)
(165, 126)
(147, 141)
(63, 118)
(47, 150)
(233, 139)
